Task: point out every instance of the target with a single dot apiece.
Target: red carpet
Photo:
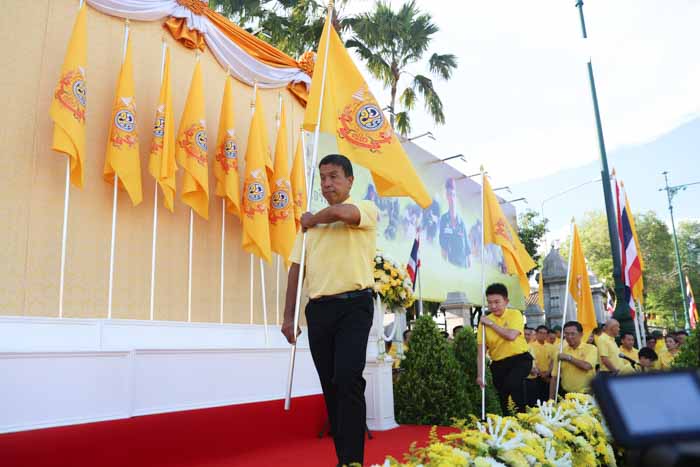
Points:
(260, 434)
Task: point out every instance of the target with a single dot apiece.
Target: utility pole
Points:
(622, 312)
(671, 192)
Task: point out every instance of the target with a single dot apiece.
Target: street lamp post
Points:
(621, 313)
(671, 192)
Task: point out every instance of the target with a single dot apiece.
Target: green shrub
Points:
(432, 389)
(465, 351)
(689, 355)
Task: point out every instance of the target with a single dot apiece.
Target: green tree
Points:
(531, 230)
(390, 42)
(689, 246)
(465, 352)
(432, 389)
(595, 241)
(293, 26)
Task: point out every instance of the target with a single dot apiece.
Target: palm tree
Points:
(389, 42)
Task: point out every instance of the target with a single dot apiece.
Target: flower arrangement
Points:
(566, 434)
(392, 283)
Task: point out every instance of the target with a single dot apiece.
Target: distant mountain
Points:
(639, 167)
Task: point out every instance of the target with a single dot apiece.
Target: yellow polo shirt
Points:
(339, 257)
(607, 347)
(665, 360)
(542, 354)
(574, 379)
(498, 347)
(631, 354)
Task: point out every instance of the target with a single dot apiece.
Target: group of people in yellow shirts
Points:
(579, 361)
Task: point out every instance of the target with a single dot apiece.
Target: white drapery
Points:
(243, 67)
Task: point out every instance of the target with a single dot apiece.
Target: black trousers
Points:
(338, 332)
(536, 389)
(509, 377)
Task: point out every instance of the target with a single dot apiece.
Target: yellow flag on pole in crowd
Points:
(580, 287)
(638, 289)
(162, 165)
(352, 115)
(498, 230)
(298, 178)
(191, 150)
(122, 157)
(540, 292)
(226, 165)
(282, 227)
(70, 100)
(256, 191)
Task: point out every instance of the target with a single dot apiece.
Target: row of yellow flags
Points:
(273, 198)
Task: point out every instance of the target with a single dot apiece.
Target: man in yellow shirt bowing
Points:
(510, 360)
(609, 352)
(340, 248)
(578, 361)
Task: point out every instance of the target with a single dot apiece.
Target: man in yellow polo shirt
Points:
(541, 350)
(510, 360)
(578, 361)
(340, 249)
(627, 349)
(609, 352)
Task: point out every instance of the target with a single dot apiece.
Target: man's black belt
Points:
(343, 296)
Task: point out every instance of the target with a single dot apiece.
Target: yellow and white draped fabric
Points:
(230, 55)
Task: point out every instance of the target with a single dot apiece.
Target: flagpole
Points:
(566, 305)
(420, 290)
(264, 302)
(252, 260)
(189, 269)
(314, 158)
(636, 326)
(64, 237)
(483, 298)
(277, 280)
(223, 231)
(114, 204)
(155, 208)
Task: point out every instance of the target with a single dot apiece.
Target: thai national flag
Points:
(413, 261)
(609, 305)
(692, 306)
(631, 268)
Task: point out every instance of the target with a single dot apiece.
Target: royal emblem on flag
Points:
(124, 130)
(194, 142)
(255, 195)
(158, 129)
(71, 92)
(503, 230)
(280, 202)
(362, 123)
(227, 155)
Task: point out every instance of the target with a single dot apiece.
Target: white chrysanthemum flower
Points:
(555, 417)
(498, 431)
(488, 461)
(551, 454)
(543, 431)
(461, 453)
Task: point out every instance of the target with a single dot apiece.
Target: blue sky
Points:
(520, 103)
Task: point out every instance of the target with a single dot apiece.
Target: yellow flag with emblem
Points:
(226, 165)
(298, 184)
(122, 158)
(497, 230)
(162, 165)
(282, 227)
(256, 191)
(352, 115)
(580, 287)
(70, 100)
(191, 150)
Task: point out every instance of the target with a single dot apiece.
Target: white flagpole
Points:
(252, 261)
(642, 318)
(155, 210)
(309, 185)
(189, 269)
(277, 280)
(483, 299)
(636, 326)
(566, 303)
(264, 301)
(64, 238)
(114, 205)
(223, 231)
